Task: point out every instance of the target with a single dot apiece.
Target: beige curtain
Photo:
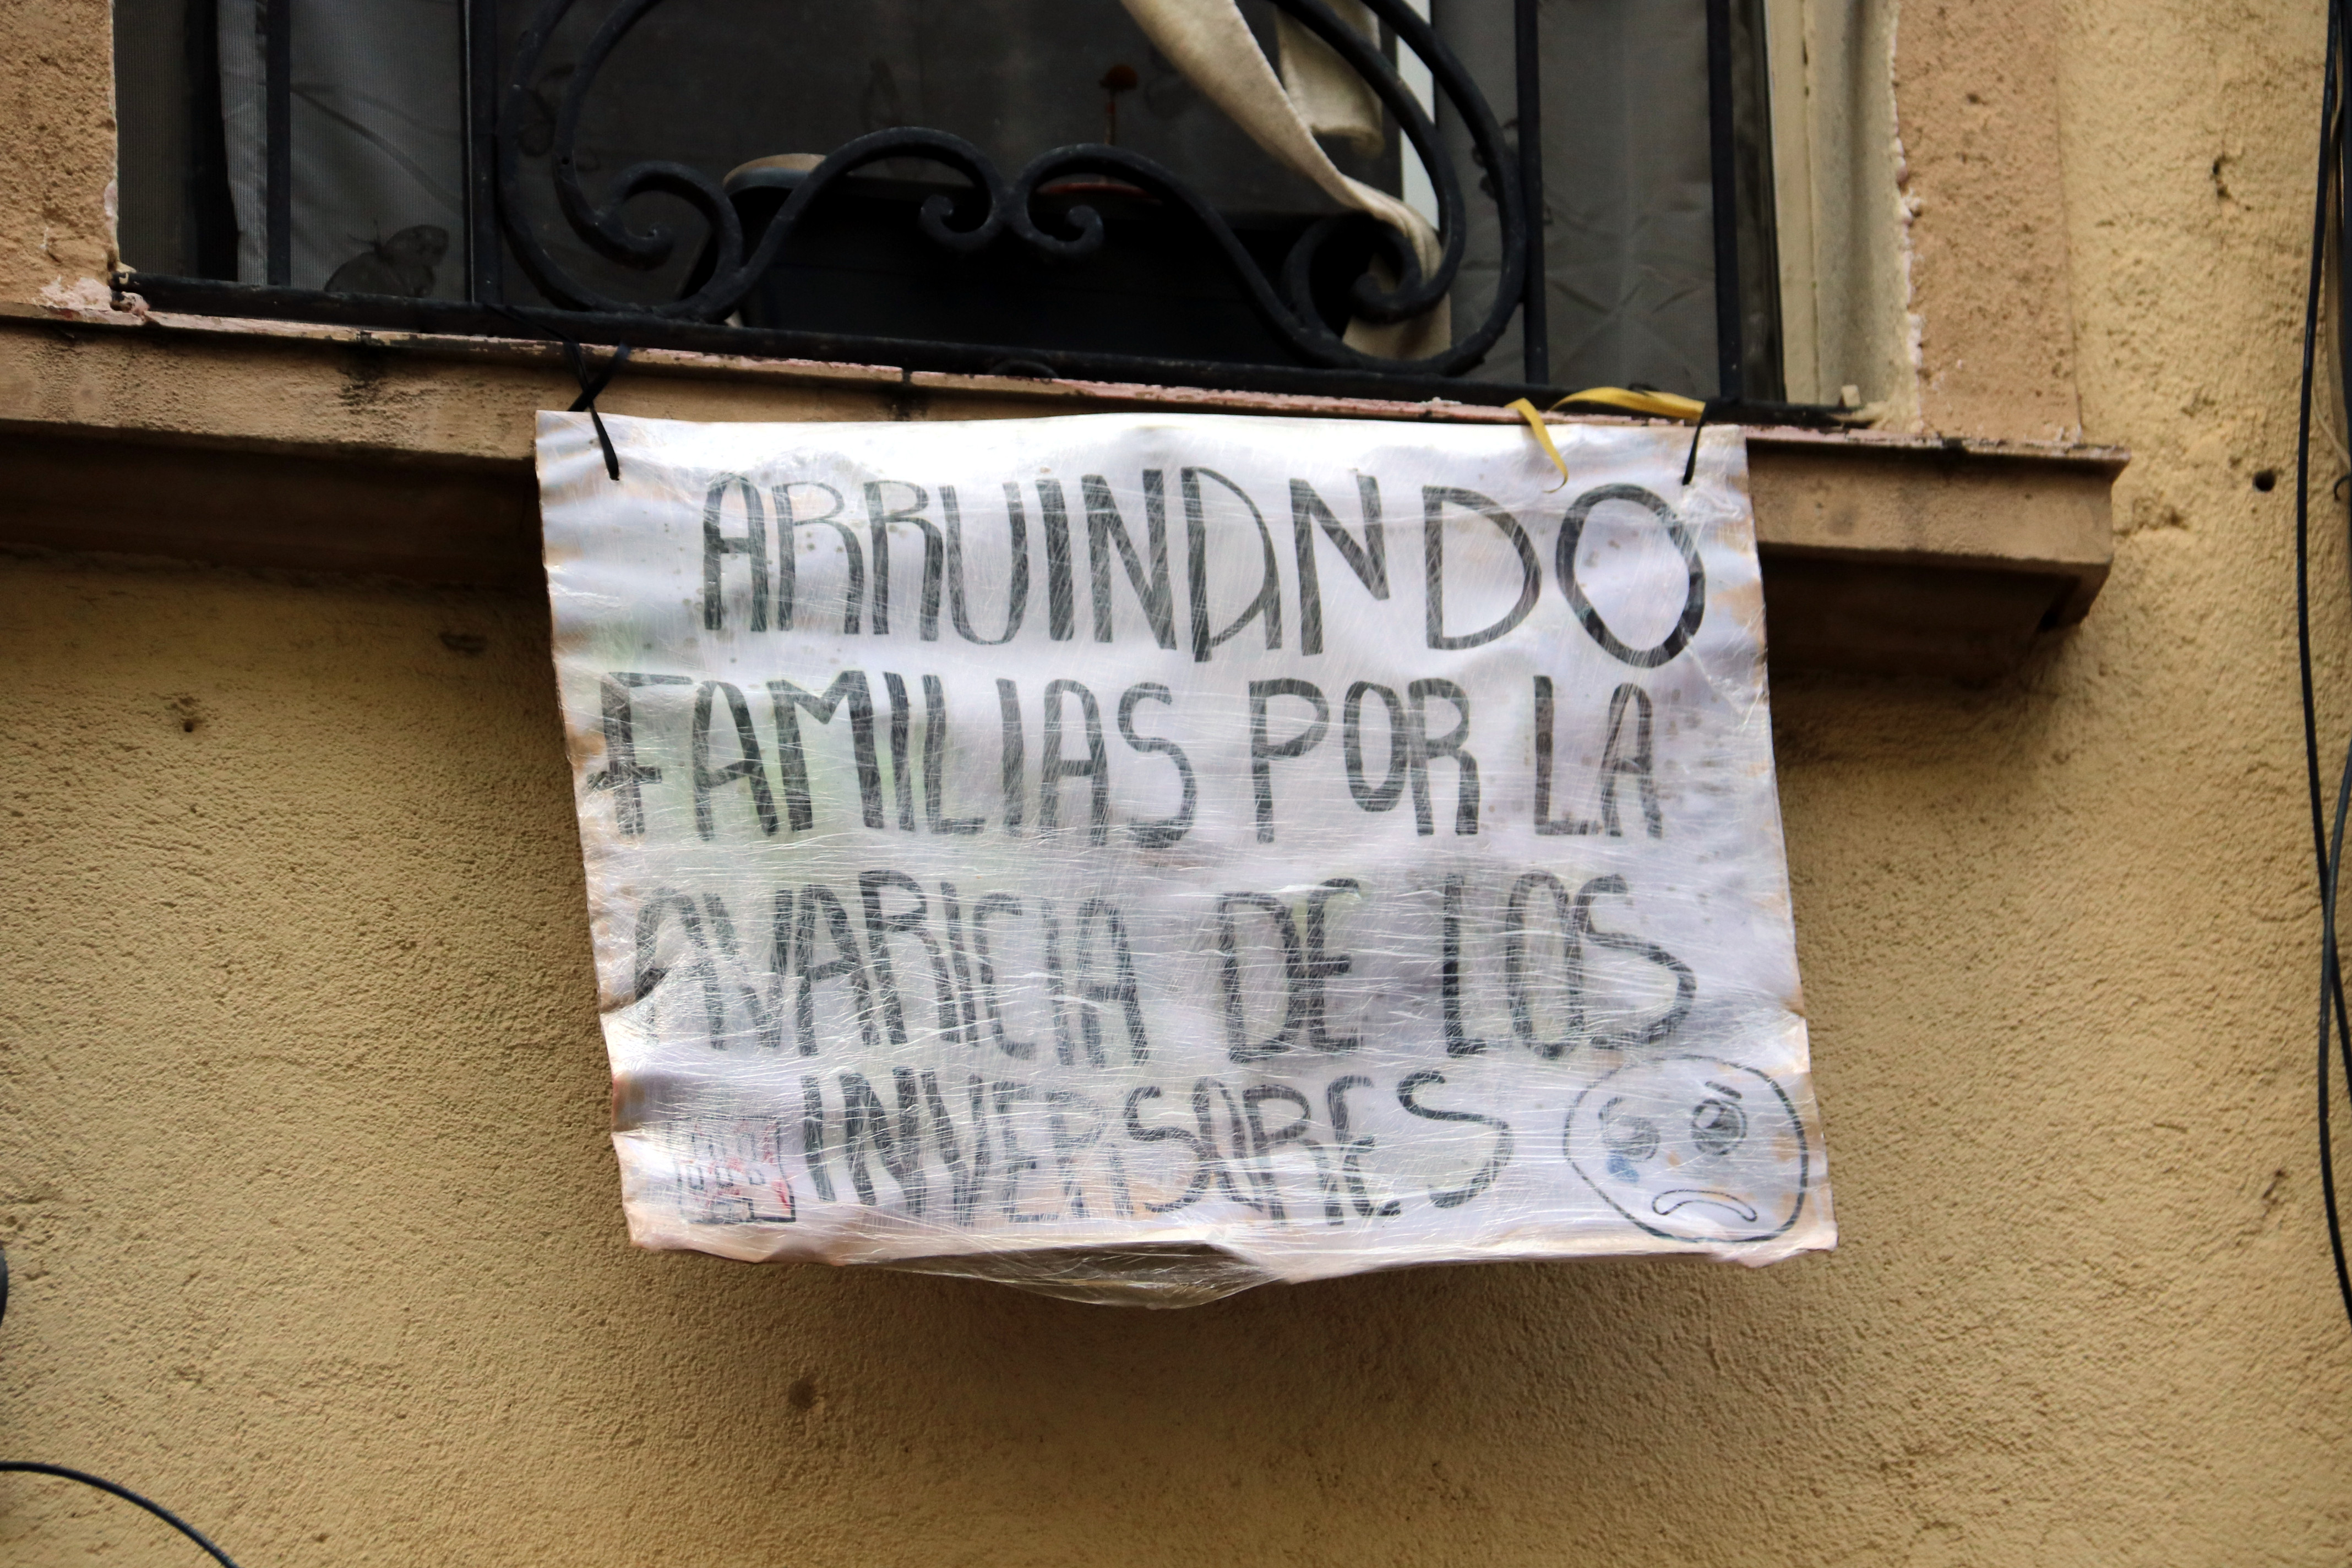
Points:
(1316, 94)
(1334, 101)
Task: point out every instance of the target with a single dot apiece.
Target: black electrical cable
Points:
(27, 1466)
(2327, 847)
(2337, 161)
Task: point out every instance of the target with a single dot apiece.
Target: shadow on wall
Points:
(1321, 1414)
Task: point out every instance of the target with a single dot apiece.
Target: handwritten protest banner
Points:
(1167, 853)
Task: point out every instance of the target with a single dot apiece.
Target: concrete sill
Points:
(322, 448)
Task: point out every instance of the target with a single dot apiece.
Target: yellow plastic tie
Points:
(1654, 404)
(1650, 404)
(1528, 411)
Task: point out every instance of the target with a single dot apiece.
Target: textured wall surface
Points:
(56, 102)
(302, 1159)
(1978, 105)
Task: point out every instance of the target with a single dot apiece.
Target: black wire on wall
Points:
(113, 1489)
(2330, 218)
(28, 1467)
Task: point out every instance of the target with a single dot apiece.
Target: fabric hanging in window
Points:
(378, 159)
(1212, 44)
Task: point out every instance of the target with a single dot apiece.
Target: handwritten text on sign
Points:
(1335, 844)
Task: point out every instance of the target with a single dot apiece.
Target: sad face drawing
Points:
(1693, 1149)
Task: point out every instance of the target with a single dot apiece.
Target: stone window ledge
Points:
(326, 448)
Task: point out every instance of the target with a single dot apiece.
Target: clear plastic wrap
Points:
(1137, 857)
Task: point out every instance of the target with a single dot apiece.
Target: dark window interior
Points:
(387, 197)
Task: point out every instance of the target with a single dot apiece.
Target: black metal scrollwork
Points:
(1005, 205)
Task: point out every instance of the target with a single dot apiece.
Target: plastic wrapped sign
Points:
(1142, 857)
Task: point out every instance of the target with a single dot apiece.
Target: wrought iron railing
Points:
(1021, 219)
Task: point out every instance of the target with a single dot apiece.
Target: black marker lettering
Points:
(1238, 1045)
(1015, 1162)
(965, 1179)
(1319, 966)
(902, 763)
(1120, 988)
(1621, 760)
(1016, 592)
(868, 1126)
(700, 965)
(879, 929)
(1205, 1161)
(1267, 605)
(967, 1007)
(1068, 1146)
(1105, 530)
(751, 544)
(1161, 833)
(1351, 1148)
(879, 517)
(853, 601)
(1572, 529)
(1263, 1144)
(1686, 983)
(1052, 769)
(1547, 826)
(1435, 500)
(792, 764)
(1421, 749)
(780, 969)
(812, 1136)
(1057, 987)
(1368, 561)
(1008, 708)
(1264, 752)
(935, 764)
(1484, 1176)
(1515, 965)
(1458, 1042)
(1059, 617)
(818, 901)
(622, 775)
(746, 765)
(767, 1021)
(1241, 1147)
(996, 903)
(1390, 789)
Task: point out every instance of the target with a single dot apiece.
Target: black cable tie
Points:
(1712, 408)
(590, 387)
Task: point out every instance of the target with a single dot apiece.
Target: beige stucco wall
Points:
(56, 102)
(302, 1163)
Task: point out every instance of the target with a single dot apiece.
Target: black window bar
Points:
(500, 237)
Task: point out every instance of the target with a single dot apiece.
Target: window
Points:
(1288, 193)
